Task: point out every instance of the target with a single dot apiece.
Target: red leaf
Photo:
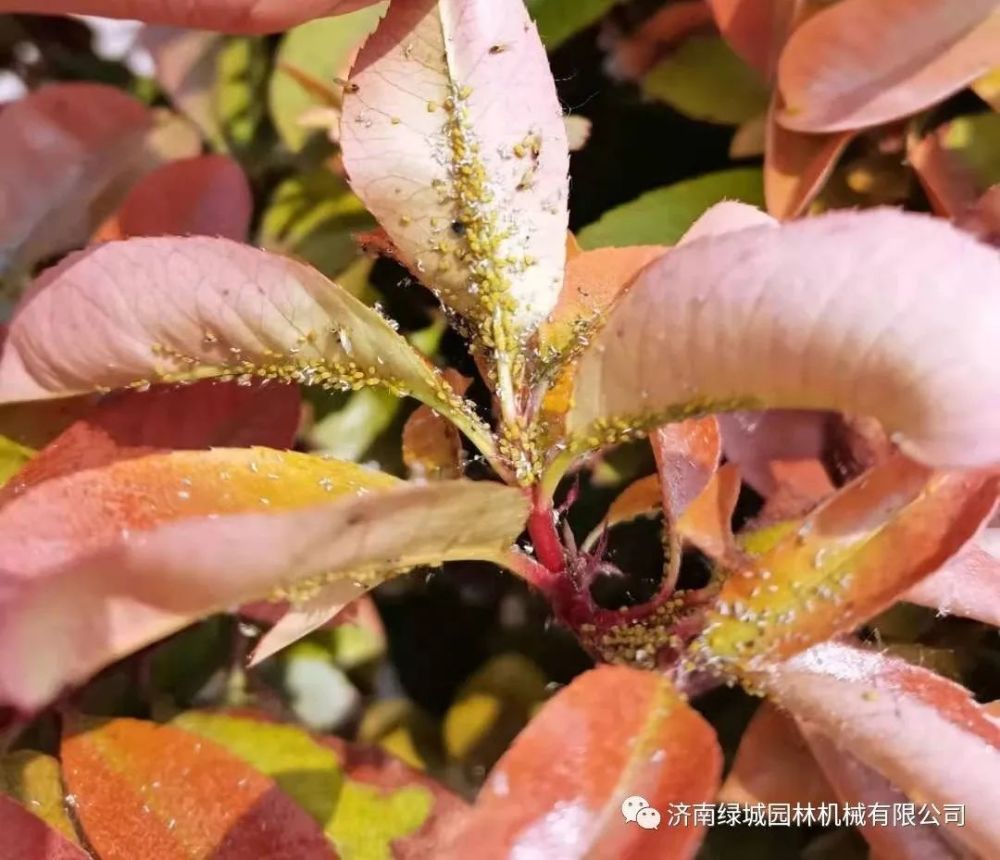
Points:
(756, 29)
(67, 153)
(133, 424)
(612, 733)
(796, 165)
(203, 196)
(27, 837)
(230, 16)
(147, 790)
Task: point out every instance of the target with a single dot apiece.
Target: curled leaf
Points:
(452, 135)
(848, 560)
(967, 586)
(865, 62)
(797, 164)
(176, 310)
(782, 317)
(116, 557)
(884, 710)
(756, 29)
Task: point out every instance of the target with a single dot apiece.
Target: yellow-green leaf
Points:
(706, 80)
(359, 819)
(35, 781)
(307, 62)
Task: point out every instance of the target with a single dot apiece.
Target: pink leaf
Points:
(968, 585)
(67, 155)
(866, 62)
(27, 836)
(756, 29)
(757, 441)
(855, 782)
(230, 16)
(452, 135)
(175, 310)
(824, 313)
(922, 733)
(687, 455)
(207, 195)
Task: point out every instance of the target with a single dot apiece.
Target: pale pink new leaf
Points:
(453, 137)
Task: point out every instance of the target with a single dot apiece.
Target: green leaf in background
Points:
(350, 431)
(705, 80)
(12, 457)
(307, 61)
(975, 143)
(491, 707)
(242, 68)
(361, 820)
(559, 19)
(34, 780)
(314, 216)
(661, 216)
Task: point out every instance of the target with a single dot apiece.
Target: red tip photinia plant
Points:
(155, 508)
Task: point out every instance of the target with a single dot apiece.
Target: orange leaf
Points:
(707, 523)
(773, 764)
(143, 789)
(613, 733)
(27, 837)
(687, 456)
(133, 424)
(797, 165)
(594, 279)
(432, 447)
(852, 557)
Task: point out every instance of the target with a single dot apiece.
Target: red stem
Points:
(544, 537)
